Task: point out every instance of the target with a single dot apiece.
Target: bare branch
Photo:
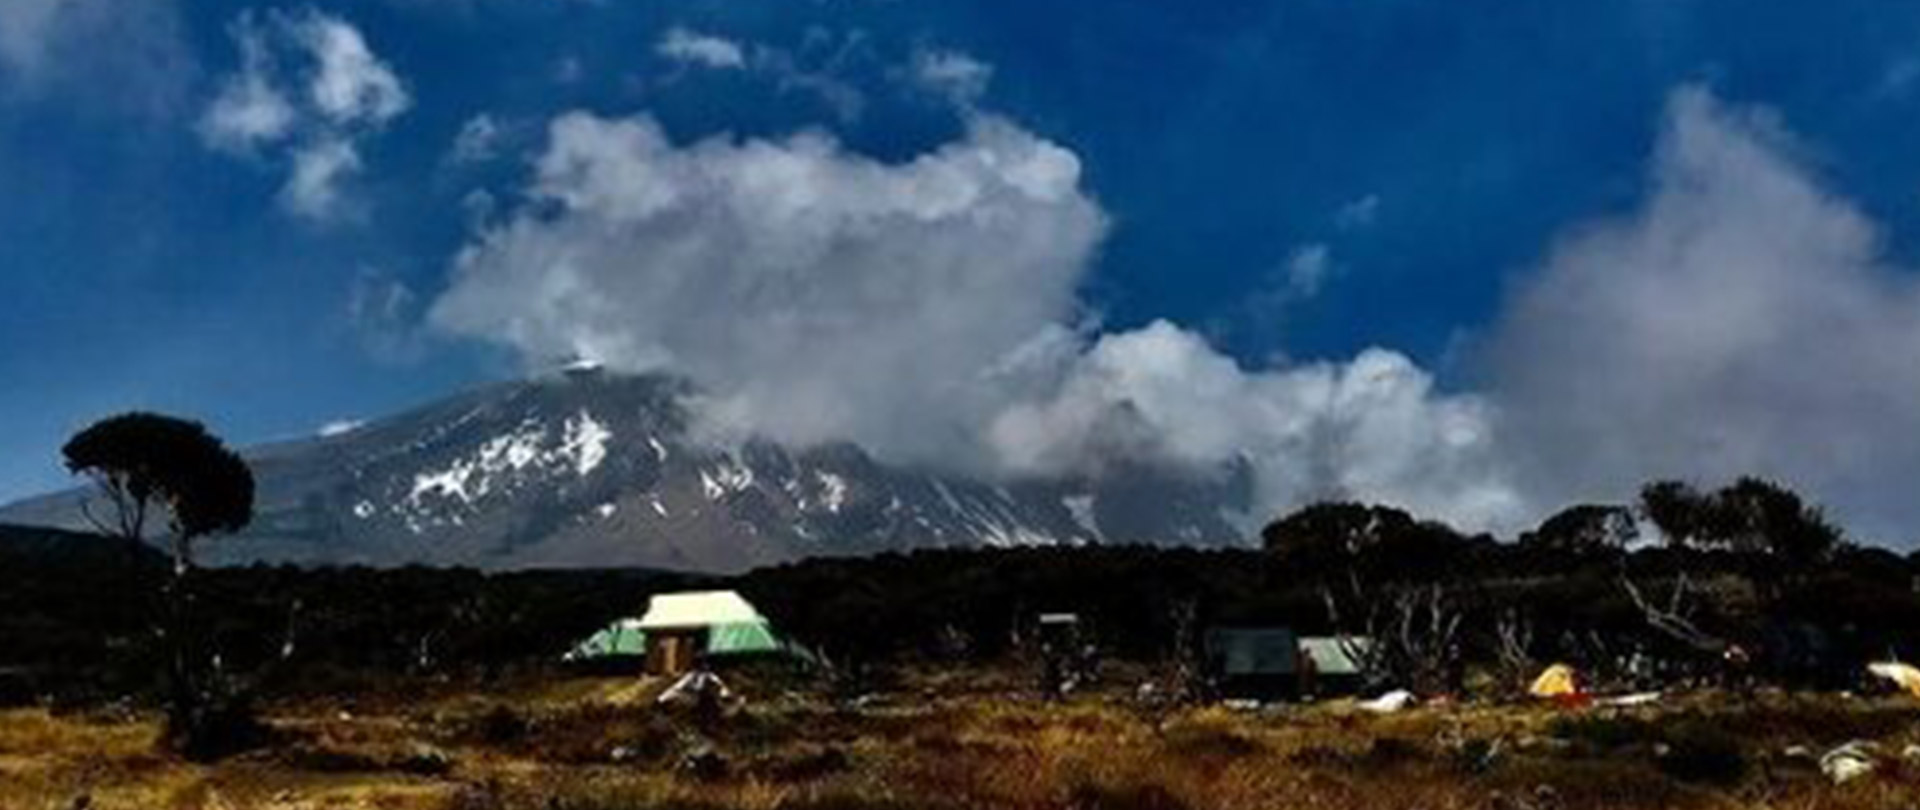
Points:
(1673, 620)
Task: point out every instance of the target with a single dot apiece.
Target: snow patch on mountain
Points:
(340, 427)
(833, 493)
(585, 442)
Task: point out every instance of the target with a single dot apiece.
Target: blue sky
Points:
(1284, 183)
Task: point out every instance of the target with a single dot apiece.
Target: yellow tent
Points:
(1557, 681)
(1906, 676)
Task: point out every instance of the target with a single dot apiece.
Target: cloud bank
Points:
(1740, 320)
(1743, 320)
(926, 309)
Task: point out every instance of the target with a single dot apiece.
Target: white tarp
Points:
(698, 609)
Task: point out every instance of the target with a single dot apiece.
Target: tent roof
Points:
(1253, 651)
(621, 637)
(1333, 656)
(698, 609)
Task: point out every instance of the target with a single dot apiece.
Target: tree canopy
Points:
(1751, 515)
(143, 460)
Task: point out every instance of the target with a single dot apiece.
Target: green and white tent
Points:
(1335, 656)
(621, 638)
(731, 625)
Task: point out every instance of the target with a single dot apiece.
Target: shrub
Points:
(1092, 796)
(1603, 732)
(1211, 743)
(499, 726)
(1698, 751)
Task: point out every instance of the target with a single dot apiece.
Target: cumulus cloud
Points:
(706, 50)
(309, 88)
(818, 293)
(349, 85)
(1743, 320)
(927, 310)
(312, 189)
(1372, 429)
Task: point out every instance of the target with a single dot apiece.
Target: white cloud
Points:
(1744, 320)
(249, 110)
(310, 85)
(925, 309)
(818, 293)
(350, 85)
(792, 74)
(953, 74)
(689, 47)
(1307, 270)
(312, 189)
(478, 140)
(1372, 429)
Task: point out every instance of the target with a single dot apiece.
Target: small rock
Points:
(1848, 762)
(702, 761)
(426, 760)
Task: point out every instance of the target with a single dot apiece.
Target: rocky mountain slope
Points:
(587, 468)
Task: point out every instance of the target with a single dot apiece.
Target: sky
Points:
(1478, 259)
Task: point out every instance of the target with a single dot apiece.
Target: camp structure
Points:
(1902, 675)
(681, 629)
(1559, 683)
(621, 640)
(1252, 663)
(1330, 665)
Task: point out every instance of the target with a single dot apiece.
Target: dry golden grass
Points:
(599, 744)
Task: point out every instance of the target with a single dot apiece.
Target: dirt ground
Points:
(593, 743)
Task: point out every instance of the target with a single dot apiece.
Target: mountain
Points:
(590, 468)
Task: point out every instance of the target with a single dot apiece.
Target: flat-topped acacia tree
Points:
(151, 468)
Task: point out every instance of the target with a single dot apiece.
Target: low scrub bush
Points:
(1699, 751)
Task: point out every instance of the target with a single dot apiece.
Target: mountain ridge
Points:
(587, 468)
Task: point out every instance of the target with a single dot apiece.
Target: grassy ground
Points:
(965, 742)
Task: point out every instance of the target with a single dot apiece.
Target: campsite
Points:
(1510, 675)
(959, 405)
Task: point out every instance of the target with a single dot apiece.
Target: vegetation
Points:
(952, 738)
(148, 466)
(420, 687)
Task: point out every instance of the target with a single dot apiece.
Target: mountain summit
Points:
(590, 468)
